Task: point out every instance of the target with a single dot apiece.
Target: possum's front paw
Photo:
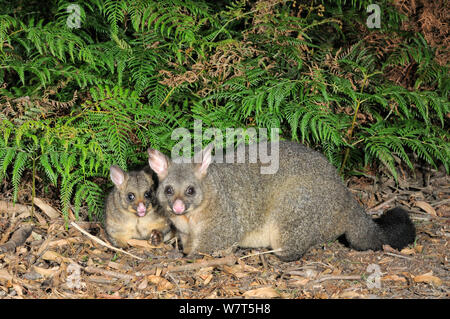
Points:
(156, 237)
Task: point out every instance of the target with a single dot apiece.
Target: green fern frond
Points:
(19, 166)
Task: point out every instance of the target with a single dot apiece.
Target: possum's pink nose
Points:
(141, 210)
(178, 206)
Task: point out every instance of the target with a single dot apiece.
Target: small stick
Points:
(382, 204)
(355, 277)
(101, 280)
(442, 202)
(397, 255)
(229, 261)
(96, 270)
(261, 253)
(101, 242)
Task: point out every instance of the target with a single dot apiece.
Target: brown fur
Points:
(121, 220)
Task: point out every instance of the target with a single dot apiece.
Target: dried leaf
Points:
(245, 267)
(241, 270)
(46, 272)
(54, 256)
(350, 295)
(64, 242)
(41, 220)
(393, 278)
(18, 289)
(140, 243)
(428, 278)
(10, 207)
(36, 236)
(5, 275)
(265, 292)
(298, 281)
(327, 272)
(32, 275)
(236, 271)
(408, 251)
(311, 273)
(205, 274)
(118, 266)
(204, 271)
(385, 260)
(46, 208)
(208, 279)
(160, 282)
(71, 215)
(143, 284)
(426, 207)
(389, 249)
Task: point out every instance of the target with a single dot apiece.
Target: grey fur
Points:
(304, 204)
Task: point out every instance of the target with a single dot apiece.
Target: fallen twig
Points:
(17, 239)
(351, 277)
(96, 270)
(442, 202)
(261, 253)
(228, 260)
(101, 280)
(379, 206)
(101, 242)
(396, 255)
(427, 218)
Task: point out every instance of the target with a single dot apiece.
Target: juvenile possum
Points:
(131, 210)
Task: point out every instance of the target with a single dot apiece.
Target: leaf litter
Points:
(57, 260)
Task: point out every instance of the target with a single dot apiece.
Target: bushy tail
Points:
(393, 228)
(397, 228)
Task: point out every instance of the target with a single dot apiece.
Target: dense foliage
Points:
(73, 101)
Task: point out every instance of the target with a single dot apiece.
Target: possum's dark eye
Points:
(168, 190)
(190, 191)
(130, 196)
(148, 195)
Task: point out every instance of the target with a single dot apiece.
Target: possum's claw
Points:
(156, 237)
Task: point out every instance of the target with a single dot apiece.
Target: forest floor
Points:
(54, 259)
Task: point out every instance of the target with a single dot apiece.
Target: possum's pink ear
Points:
(117, 175)
(202, 168)
(158, 163)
